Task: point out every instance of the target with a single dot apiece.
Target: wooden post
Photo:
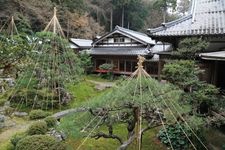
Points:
(54, 23)
(54, 20)
(137, 128)
(159, 69)
(215, 73)
(11, 28)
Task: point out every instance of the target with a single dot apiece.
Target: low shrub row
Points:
(35, 137)
(38, 114)
(39, 142)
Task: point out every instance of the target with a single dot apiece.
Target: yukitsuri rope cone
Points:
(140, 69)
(11, 28)
(55, 25)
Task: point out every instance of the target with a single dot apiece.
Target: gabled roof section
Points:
(140, 37)
(81, 43)
(207, 17)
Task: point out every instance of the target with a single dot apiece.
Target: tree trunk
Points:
(123, 17)
(164, 14)
(68, 26)
(111, 20)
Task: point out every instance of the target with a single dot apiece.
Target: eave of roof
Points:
(220, 55)
(169, 24)
(118, 51)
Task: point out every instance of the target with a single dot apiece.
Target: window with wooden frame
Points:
(119, 39)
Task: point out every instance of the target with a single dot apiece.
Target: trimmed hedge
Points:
(38, 114)
(39, 127)
(51, 121)
(40, 142)
(17, 137)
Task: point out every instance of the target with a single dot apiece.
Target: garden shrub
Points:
(106, 67)
(183, 73)
(39, 127)
(8, 111)
(41, 95)
(17, 137)
(189, 48)
(40, 142)
(51, 121)
(38, 114)
(2, 101)
(176, 135)
(109, 69)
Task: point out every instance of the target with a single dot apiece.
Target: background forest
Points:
(88, 18)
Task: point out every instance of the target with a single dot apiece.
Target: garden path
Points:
(102, 85)
(20, 125)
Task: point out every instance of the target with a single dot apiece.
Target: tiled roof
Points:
(130, 51)
(81, 43)
(143, 38)
(207, 17)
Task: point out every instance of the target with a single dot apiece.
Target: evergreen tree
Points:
(13, 53)
(164, 5)
(189, 48)
(52, 65)
(124, 105)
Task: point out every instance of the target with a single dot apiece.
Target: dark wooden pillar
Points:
(215, 73)
(125, 65)
(159, 69)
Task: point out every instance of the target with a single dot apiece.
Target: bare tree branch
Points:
(127, 143)
(107, 136)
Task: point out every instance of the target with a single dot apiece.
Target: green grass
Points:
(82, 92)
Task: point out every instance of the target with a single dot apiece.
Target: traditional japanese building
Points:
(121, 48)
(206, 20)
(80, 44)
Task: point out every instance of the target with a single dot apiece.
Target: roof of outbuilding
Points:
(207, 17)
(81, 43)
(141, 37)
